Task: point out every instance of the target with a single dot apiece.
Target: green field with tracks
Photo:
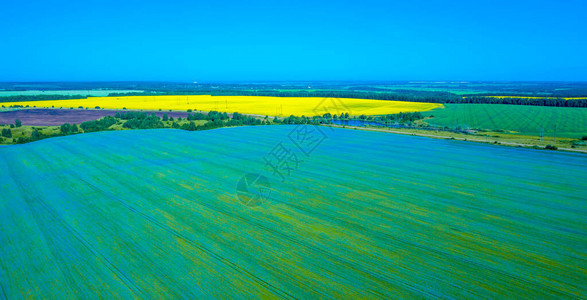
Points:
(529, 120)
(156, 213)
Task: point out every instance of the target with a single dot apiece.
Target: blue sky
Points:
(292, 40)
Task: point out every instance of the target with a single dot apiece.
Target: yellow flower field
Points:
(272, 106)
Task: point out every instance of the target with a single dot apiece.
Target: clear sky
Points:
(292, 40)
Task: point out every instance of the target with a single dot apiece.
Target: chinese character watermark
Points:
(285, 157)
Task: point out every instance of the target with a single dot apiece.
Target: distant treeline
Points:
(98, 125)
(525, 101)
(19, 98)
(400, 118)
(140, 120)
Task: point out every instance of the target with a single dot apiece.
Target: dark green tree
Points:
(7, 133)
(192, 126)
(65, 128)
(35, 135)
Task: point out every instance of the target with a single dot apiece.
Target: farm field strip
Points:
(53, 117)
(529, 120)
(153, 212)
(271, 106)
(531, 97)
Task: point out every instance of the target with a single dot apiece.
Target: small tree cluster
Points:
(6, 132)
(149, 122)
(67, 128)
(98, 125)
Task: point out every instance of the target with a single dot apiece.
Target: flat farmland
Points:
(155, 213)
(270, 106)
(524, 119)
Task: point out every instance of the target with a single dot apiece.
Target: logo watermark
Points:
(254, 189)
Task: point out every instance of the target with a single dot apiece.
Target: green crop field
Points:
(155, 213)
(569, 121)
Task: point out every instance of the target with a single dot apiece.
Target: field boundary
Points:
(501, 143)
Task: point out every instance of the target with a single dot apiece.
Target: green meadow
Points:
(524, 119)
(357, 214)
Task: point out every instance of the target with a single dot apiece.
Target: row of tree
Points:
(401, 118)
(98, 125)
(22, 98)
(327, 118)
(67, 128)
(316, 120)
(217, 120)
(335, 116)
(559, 102)
(148, 122)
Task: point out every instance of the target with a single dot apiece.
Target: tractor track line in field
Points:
(34, 209)
(202, 248)
(381, 277)
(357, 228)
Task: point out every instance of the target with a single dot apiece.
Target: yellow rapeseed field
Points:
(272, 106)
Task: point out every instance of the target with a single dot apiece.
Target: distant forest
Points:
(552, 93)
